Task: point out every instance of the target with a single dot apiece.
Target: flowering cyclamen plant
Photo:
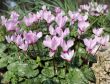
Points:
(70, 37)
(58, 32)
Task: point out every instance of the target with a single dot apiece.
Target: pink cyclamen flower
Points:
(104, 40)
(82, 27)
(11, 25)
(91, 45)
(62, 32)
(85, 7)
(27, 21)
(14, 16)
(58, 10)
(48, 16)
(24, 46)
(59, 31)
(82, 18)
(61, 20)
(40, 14)
(10, 38)
(52, 30)
(98, 31)
(30, 19)
(73, 16)
(33, 17)
(3, 20)
(97, 38)
(32, 37)
(52, 44)
(19, 40)
(67, 56)
(66, 45)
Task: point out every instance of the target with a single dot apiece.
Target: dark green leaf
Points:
(2, 47)
(61, 73)
(92, 59)
(75, 76)
(3, 62)
(48, 72)
(49, 82)
(88, 73)
(7, 77)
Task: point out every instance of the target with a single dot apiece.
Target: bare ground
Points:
(102, 67)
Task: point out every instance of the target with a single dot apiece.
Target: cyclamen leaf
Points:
(49, 82)
(2, 47)
(63, 81)
(26, 70)
(14, 80)
(3, 62)
(13, 67)
(56, 80)
(48, 72)
(75, 76)
(88, 73)
(7, 77)
(77, 61)
(62, 73)
(92, 59)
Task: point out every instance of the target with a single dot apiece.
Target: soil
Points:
(102, 67)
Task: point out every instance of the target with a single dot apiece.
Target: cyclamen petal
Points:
(24, 46)
(61, 20)
(3, 20)
(58, 10)
(52, 30)
(19, 40)
(98, 39)
(39, 35)
(48, 16)
(62, 33)
(47, 41)
(66, 32)
(83, 18)
(9, 38)
(98, 31)
(33, 17)
(73, 16)
(11, 25)
(85, 7)
(86, 42)
(27, 21)
(52, 43)
(66, 45)
(94, 50)
(82, 27)
(14, 16)
(32, 37)
(51, 54)
(55, 42)
(59, 31)
(44, 7)
(104, 40)
(93, 43)
(90, 45)
(67, 56)
(30, 19)
(70, 43)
